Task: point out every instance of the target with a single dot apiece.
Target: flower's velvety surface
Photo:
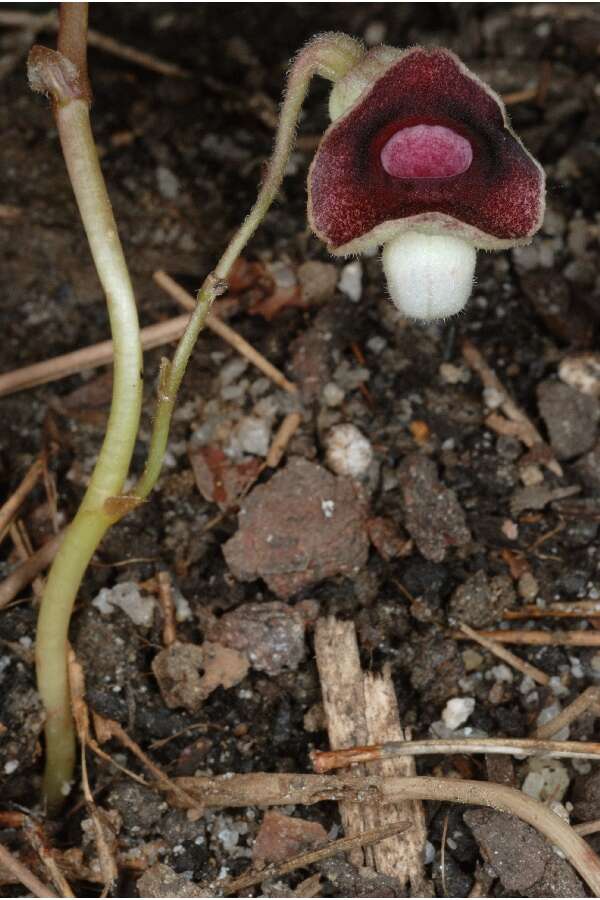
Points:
(360, 181)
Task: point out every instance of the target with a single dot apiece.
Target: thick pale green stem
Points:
(331, 56)
(110, 472)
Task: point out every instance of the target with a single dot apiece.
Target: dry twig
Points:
(588, 699)
(523, 427)
(539, 638)
(108, 864)
(24, 574)
(11, 506)
(217, 326)
(111, 729)
(580, 609)
(498, 650)
(20, 539)
(24, 875)
(328, 760)
(283, 436)
(38, 840)
(275, 870)
(49, 22)
(87, 358)
(165, 598)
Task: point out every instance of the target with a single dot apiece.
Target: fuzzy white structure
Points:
(429, 276)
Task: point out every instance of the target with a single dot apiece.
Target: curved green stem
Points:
(331, 56)
(107, 480)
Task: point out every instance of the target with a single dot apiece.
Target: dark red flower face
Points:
(426, 147)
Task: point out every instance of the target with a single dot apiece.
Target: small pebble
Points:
(254, 435)
(453, 374)
(472, 660)
(502, 673)
(531, 475)
(127, 597)
(582, 371)
(168, 183)
(349, 452)
(350, 282)
(528, 587)
(232, 370)
(547, 779)
(457, 711)
(376, 344)
(333, 395)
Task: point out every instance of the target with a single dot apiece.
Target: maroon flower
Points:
(421, 159)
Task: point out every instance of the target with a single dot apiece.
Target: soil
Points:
(465, 523)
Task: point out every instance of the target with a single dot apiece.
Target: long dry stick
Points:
(49, 22)
(498, 650)
(261, 789)
(539, 638)
(87, 358)
(584, 609)
(327, 760)
(24, 875)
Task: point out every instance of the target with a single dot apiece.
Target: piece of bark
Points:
(341, 679)
(361, 708)
(401, 855)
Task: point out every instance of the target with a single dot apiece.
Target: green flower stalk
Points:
(62, 74)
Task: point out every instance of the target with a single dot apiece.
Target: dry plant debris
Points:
(361, 708)
(188, 673)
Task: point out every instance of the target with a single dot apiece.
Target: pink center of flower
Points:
(426, 151)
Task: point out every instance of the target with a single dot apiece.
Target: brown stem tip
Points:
(51, 73)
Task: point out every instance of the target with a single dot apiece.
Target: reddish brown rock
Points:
(282, 836)
(434, 517)
(271, 634)
(303, 526)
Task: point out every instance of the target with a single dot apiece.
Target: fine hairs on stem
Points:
(63, 75)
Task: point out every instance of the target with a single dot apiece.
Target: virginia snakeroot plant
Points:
(419, 159)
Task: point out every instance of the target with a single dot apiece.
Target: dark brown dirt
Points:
(182, 159)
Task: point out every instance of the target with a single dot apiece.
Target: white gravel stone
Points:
(168, 183)
(333, 395)
(126, 596)
(349, 452)
(350, 282)
(254, 435)
(457, 711)
(546, 780)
